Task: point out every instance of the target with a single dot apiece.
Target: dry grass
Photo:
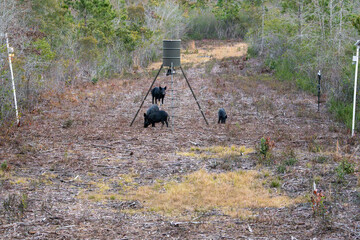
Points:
(200, 56)
(4, 175)
(216, 152)
(45, 178)
(20, 180)
(101, 190)
(265, 104)
(234, 193)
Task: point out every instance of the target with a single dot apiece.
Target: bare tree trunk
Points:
(340, 26)
(300, 9)
(323, 27)
(262, 28)
(27, 90)
(331, 16)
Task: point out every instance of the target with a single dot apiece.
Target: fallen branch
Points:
(176, 224)
(101, 146)
(194, 143)
(105, 166)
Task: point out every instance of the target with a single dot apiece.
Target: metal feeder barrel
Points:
(171, 53)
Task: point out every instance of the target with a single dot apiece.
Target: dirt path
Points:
(80, 143)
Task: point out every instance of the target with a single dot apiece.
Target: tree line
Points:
(298, 38)
(63, 42)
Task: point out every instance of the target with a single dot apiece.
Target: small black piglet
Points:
(222, 115)
(158, 93)
(155, 117)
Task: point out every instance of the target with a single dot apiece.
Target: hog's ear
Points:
(160, 87)
(165, 88)
(144, 114)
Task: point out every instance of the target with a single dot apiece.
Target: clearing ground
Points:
(75, 169)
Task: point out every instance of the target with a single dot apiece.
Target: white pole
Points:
(355, 86)
(172, 97)
(12, 79)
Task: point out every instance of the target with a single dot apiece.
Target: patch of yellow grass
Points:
(4, 175)
(46, 178)
(216, 152)
(99, 195)
(101, 186)
(235, 193)
(100, 190)
(20, 180)
(49, 175)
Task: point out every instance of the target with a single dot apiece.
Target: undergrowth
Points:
(345, 167)
(14, 206)
(343, 111)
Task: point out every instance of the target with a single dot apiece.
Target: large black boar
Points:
(152, 108)
(222, 115)
(158, 93)
(155, 117)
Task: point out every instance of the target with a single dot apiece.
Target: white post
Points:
(172, 97)
(355, 86)
(12, 79)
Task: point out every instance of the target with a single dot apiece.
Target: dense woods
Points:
(60, 43)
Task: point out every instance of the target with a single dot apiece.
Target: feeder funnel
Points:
(171, 53)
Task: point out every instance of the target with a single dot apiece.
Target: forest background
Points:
(62, 43)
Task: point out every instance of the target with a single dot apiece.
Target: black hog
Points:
(152, 108)
(155, 117)
(222, 115)
(158, 93)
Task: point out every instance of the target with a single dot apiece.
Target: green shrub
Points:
(275, 183)
(264, 150)
(264, 147)
(281, 168)
(202, 26)
(4, 166)
(94, 80)
(290, 162)
(15, 205)
(343, 169)
(343, 112)
(252, 51)
(321, 159)
(347, 166)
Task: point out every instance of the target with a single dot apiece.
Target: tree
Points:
(95, 18)
(355, 20)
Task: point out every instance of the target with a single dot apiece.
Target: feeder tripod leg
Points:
(146, 95)
(194, 95)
